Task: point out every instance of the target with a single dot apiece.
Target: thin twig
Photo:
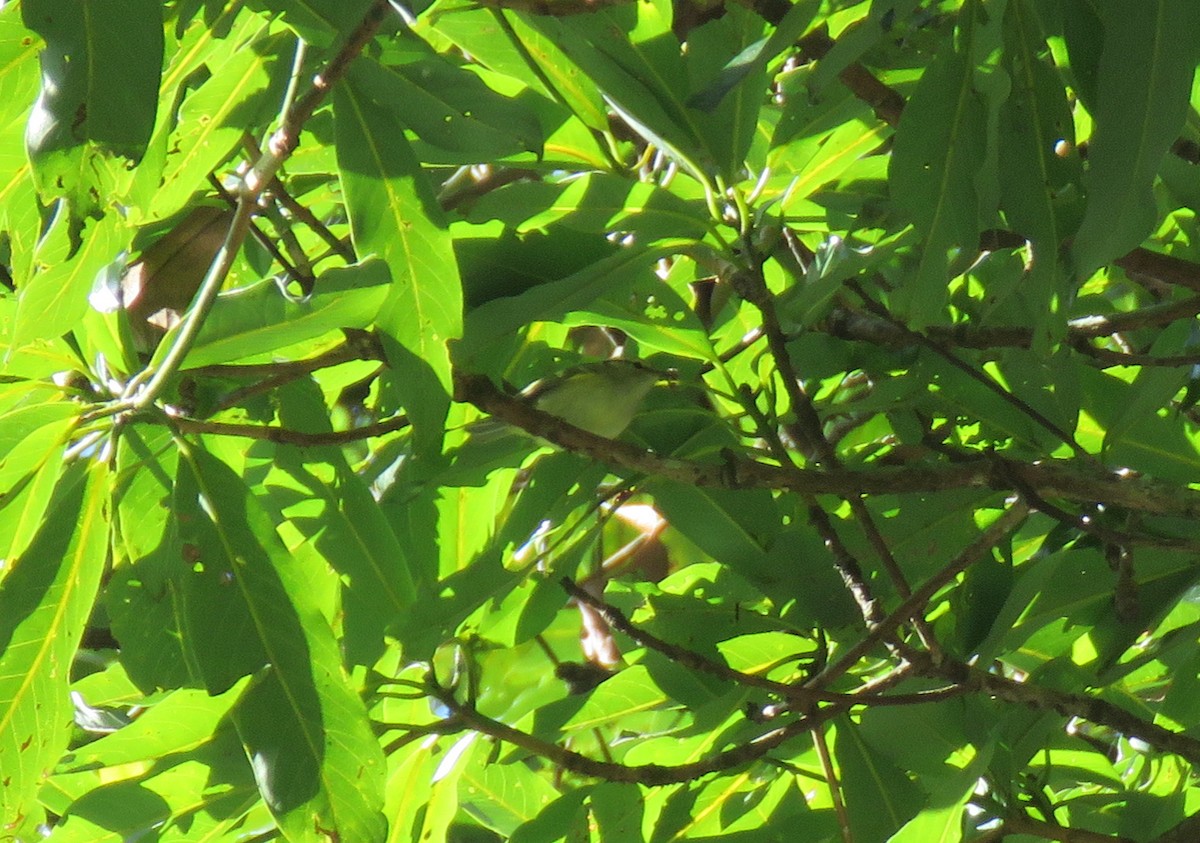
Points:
(831, 781)
(1091, 709)
(1022, 823)
(916, 602)
(365, 348)
(752, 286)
(281, 145)
(286, 436)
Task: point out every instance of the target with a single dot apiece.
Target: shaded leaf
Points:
(316, 760)
(1144, 80)
(100, 75)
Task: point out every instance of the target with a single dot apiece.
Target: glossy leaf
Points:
(46, 601)
(871, 778)
(451, 109)
(242, 88)
(100, 74)
(262, 319)
(316, 756)
(393, 215)
(55, 298)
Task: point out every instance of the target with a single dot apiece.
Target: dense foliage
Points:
(905, 550)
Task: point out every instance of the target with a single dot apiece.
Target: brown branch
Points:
(863, 327)
(290, 267)
(1024, 824)
(846, 565)
(970, 371)
(916, 602)
(690, 659)
(803, 696)
(844, 561)
(1067, 479)
(831, 781)
(647, 774)
(1088, 525)
(1165, 268)
(752, 286)
(287, 436)
(1067, 704)
(886, 103)
(1187, 831)
(359, 346)
(340, 247)
(287, 137)
(1107, 357)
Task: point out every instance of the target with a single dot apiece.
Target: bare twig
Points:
(970, 371)
(286, 436)
(752, 286)
(361, 346)
(831, 781)
(144, 390)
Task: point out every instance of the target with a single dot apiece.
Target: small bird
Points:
(601, 398)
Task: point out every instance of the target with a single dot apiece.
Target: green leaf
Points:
(451, 110)
(100, 73)
(55, 298)
(631, 56)
(31, 446)
(143, 607)
(319, 22)
(714, 520)
(563, 819)
(317, 763)
(596, 203)
(394, 215)
(939, 149)
(1040, 189)
(239, 94)
(504, 796)
(857, 39)
(1144, 81)
(262, 318)
(499, 319)
(44, 608)
(870, 778)
(618, 809)
(185, 720)
(631, 691)
(660, 321)
(18, 70)
(342, 524)
(203, 792)
(729, 106)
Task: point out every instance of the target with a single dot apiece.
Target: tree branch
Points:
(916, 602)
(647, 774)
(286, 436)
(1022, 823)
(1092, 709)
(1065, 479)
